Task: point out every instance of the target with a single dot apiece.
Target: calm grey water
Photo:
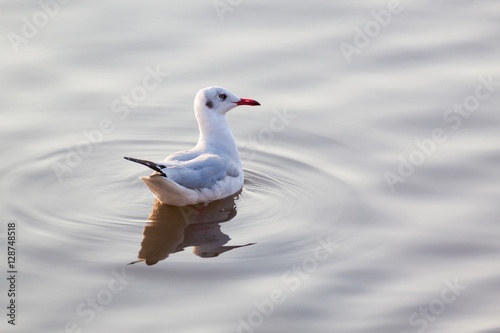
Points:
(371, 195)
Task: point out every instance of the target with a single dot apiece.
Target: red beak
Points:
(246, 101)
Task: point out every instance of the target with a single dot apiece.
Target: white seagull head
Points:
(218, 100)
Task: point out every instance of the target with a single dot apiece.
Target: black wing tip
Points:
(136, 160)
(149, 164)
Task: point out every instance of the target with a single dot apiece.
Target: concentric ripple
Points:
(285, 204)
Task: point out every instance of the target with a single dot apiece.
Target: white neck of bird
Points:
(215, 132)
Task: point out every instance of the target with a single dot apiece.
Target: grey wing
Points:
(201, 172)
(184, 155)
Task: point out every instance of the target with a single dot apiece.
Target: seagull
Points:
(212, 169)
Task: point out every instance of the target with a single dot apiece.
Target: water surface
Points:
(370, 197)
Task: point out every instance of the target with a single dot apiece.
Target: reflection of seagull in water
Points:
(212, 169)
(172, 229)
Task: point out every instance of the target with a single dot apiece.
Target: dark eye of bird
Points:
(222, 96)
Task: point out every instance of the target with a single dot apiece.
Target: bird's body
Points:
(210, 171)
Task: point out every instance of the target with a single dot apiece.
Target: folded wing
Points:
(203, 171)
